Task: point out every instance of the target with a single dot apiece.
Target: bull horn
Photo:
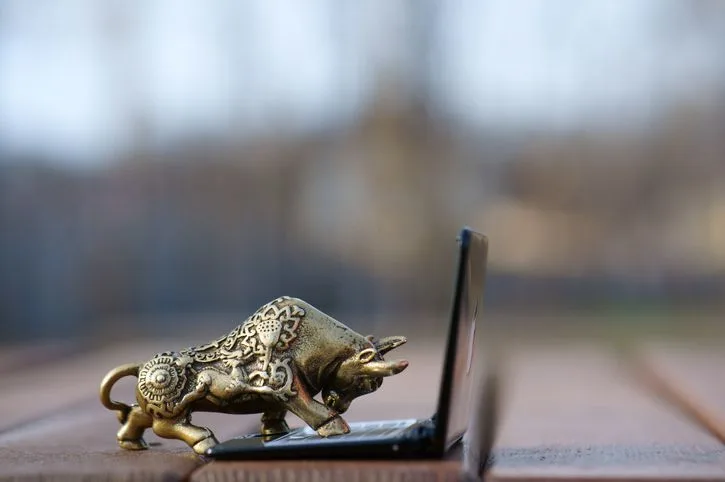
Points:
(386, 344)
(383, 368)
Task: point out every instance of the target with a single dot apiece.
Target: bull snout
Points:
(340, 400)
(336, 402)
(341, 406)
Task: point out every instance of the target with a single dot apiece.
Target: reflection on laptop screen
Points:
(468, 304)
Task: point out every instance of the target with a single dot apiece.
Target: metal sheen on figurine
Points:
(277, 360)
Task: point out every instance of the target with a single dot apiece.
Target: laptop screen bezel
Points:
(445, 395)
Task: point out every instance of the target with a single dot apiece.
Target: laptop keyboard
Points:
(358, 431)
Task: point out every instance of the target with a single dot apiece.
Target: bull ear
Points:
(383, 368)
(366, 355)
(386, 344)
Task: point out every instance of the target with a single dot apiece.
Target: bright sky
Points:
(78, 77)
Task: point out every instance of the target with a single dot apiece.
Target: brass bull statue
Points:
(277, 360)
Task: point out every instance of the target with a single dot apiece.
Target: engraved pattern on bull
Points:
(161, 379)
(277, 360)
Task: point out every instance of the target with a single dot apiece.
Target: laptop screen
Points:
(454, 402)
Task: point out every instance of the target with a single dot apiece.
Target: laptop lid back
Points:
(455, 397)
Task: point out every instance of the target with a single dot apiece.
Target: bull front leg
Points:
(324, 420)
(336, 426)
(273, 422)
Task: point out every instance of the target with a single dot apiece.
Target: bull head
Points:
(362, 373)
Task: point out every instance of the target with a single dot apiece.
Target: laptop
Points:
(428, 438)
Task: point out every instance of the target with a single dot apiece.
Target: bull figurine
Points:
(277, 360)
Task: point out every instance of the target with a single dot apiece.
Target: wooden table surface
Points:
(578, 410)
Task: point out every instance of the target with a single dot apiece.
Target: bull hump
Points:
(333, 330)
(348, 335)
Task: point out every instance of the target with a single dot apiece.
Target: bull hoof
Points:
(203, 445)
(336, 426)
(274, 428)
(138, 444)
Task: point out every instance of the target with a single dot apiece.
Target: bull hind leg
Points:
(198, 438)
(273, 422)
(130, 436)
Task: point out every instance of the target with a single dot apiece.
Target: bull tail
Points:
(122, 410)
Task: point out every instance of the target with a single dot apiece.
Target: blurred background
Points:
(165, 164)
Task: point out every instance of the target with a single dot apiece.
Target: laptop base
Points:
(367, 440)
